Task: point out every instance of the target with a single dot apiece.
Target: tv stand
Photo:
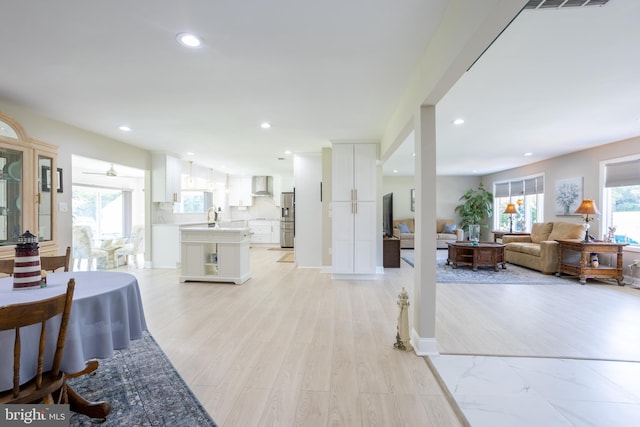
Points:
(391, 252)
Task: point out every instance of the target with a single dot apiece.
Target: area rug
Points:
(513, 274)
(143, 389)
(281, 249)
(287, 258)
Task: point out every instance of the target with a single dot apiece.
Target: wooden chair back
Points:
(17, 316)
(6, 266)
(52, 263)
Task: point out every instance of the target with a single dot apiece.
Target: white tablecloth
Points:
(106, 315)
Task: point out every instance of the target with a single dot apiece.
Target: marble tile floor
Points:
(523, 391)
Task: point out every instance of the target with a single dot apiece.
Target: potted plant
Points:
(477, 205)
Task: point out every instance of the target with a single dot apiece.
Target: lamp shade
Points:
(588, 207)
(510, 209)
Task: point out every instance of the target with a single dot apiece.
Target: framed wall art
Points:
(59, 180)
(568, 195)
(413, 200)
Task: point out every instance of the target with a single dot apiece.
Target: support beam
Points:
(423, 335)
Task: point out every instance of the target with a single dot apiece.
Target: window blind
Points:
(519, 187)
(622, 173)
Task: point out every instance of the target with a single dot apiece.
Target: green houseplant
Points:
(477, 205)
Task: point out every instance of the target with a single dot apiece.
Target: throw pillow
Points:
(449, 228)
(566, 230)
(403, 228)
(540, 231)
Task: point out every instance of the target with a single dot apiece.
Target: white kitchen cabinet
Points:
(275, 232)
(264, 231)
(354, 238)
(277, 190)
(240, 191)
(165, 248)
(165, 178)
(260, 231)
(354, 172)
(214, 254)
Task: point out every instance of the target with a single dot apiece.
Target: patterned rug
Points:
(143, 388)
(513, 274)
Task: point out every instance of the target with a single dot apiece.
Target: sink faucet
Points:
(216, 214)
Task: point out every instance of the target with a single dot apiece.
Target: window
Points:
(527, 194)
(621, 200)
(103, 209)
(193, 201)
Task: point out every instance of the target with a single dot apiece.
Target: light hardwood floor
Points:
(293, 347)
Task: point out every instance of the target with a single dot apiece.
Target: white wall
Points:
(448, 192)
(307, 173)
(72, 140)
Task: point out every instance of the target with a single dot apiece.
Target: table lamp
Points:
(587, 207)
(510, 210)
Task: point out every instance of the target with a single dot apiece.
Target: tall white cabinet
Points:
(354, 191)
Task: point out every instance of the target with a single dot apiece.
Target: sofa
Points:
(446, 231)
(539, 251)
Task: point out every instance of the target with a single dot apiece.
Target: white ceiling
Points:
(556, 81)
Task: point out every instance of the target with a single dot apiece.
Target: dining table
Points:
(106, 315)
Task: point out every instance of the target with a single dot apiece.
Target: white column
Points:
(423, 334)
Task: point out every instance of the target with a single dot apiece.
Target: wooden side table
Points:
(391, 252)
(585, 270)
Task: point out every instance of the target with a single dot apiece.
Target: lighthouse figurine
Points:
(26, 266)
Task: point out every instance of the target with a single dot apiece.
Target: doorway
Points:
(107, 214)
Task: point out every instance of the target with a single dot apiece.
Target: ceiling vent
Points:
(557, 4)
(261, 186)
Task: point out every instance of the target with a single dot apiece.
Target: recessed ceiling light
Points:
(125, 128)
(458, 121)
(189, 40)
(191, 154)
(528, 154)
(413, 154)
(265, 125)
(395, 171)
(287, 152)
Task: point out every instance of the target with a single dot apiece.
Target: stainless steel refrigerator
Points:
(287, 220)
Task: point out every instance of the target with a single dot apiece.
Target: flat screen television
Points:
(387, 215)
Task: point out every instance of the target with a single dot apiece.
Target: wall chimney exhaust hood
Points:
(261, 186)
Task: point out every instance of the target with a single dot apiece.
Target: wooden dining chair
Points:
(6, 266)
(52, 263)
(45, 384)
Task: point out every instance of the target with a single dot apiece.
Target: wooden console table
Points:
(391, 252)
(483, 254)
(584, 270)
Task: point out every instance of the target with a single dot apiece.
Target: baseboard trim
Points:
(343, 276)
(424, 346)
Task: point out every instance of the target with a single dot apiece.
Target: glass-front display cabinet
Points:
(28, 186)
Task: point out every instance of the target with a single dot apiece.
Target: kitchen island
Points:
(214, 254)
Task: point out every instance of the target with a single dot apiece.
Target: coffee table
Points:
(481, 254)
